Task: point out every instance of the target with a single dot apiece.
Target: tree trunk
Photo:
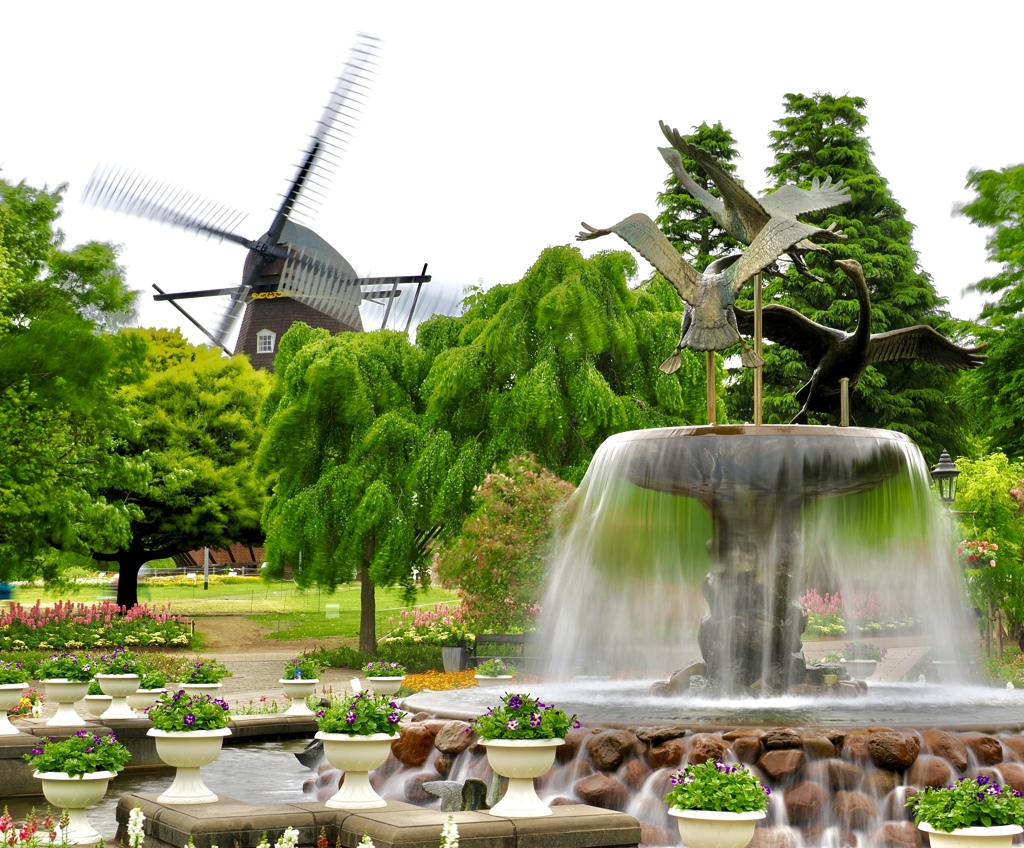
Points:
(128, 581)
(367, 602)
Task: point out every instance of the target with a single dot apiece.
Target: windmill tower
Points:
(290, 273)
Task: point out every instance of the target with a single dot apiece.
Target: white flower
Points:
(450, 834)
(136, 827)
(367, 842)
(289, 839)
(1009, 684)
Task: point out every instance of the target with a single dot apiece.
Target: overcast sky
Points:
(491, 130)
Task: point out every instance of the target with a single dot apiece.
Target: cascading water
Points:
(690, 542)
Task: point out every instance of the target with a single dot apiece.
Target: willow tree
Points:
(556, 363)
(360, 482)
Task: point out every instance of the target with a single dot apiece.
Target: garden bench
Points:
(484, 647)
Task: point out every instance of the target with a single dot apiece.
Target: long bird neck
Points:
(863, 331)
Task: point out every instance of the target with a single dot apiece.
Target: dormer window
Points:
(265, 341)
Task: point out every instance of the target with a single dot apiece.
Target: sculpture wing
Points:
(924, 343)
(643, 235)
(714, 205)
(745, 205)
(775, 238)
(788, 327)
(791, 200)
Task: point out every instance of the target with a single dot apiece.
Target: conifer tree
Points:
(824, 136)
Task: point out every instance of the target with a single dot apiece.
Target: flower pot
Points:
(118, 687)
(65, 693)
(297, 691)
(142, 699)
(211, 689)
(357, 756)
(860, 669)
(972, 837)
(521, 760)
(76, 795)
(490, 681)
(10, 696)
(385, 685)
(456, 658)
(707, 829)
(97, 704)
(188, 751)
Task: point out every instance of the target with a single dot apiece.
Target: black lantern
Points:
(944, 474)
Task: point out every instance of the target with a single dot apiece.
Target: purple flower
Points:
(576, 722)
(189, 719)
(394, 718)
(90, 749)
(83, 734)
(320, 713)
(535, 719)
(515, 702)
(36, 752)
(350, 717)
(513, 724)
(983, 779)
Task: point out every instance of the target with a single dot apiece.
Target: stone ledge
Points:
(230, 822)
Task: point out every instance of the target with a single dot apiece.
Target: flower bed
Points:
(70, 626)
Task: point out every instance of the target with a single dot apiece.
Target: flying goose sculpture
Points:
(833, 354)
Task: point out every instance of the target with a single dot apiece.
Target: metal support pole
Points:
(710, 372)
(758, 370)
(206, 568)
(844, 401)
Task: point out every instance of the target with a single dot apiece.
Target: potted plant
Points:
(385, 677)
(189, 731)
(861, 659)
(152, 684)
(95, 701)
(203, 677)
(75, 773)
(357, 733)
(299, 682)
(972, 811)
(13, 684)
(65, 680)
(717, 805)
(494, 672)
(118, 676)
(520, 738)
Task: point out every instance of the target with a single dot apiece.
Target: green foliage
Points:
(306, 667)
(495, 668)
(416, 658)
(205, 671)
(120, 661)
(498, 560)
(83, 753)
(442, 625)
(340, 657)
(361, 715)
(824, 136)
(176, 711)
(12, 672)
(383, 668)
(69, 666)
(521, 716)
(970, 802)
(717, 787)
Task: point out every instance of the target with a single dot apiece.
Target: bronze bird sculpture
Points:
(741, 214)
(833, 354)
(712, 324)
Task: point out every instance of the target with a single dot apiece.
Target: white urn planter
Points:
(97, 704)
(10, 695)
(76, 795)
(142, 699)
(972, 837)
(385, 685)
(491, 681)
(188, 751)
(211, 689)
(297, 690)
(521, 760)
(709, 829)
(65, 693)
(860, 669)
(118, 687)
(357, 756)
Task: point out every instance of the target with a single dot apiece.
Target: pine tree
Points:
(824, 136)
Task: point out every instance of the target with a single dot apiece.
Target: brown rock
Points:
(661, 782)
(421, 716)
(843, 775)
(651, 834)
(602, 790)
(1012, 774)
(781, 766)
(880, 782)
(819, 747)
(636, 774)
(454, 737)
(855, 747)
(742, 733)
(414, 745)
(835, 837)
(987, 750)
(414, 791)
(747, 749)
(659, 733)
(806, 803)
(435, 725)
(562, 801)
(854, 810)
(443, 763)
(609, 750)
(668, 753)
(930, 770)
(891, 749)
(705, 746)
(1015, 744)
(573, 740)
(945, 745)
(774, 837)
(896, 835)
(782, 737)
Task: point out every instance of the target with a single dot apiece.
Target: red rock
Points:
(987, 750)
(747, 749)
(843, 775)
(855, 747)
(1012, 774)
(565, 753)
(930, 770)
(782, 737)
(819, 747)
(782, 765)
(668, 753)
(896, 835)
(602, 790)
(836, 837)
(705, 746)
(443, 764)
(651, 834)
(774, 837)
(891, 749)
(609, 750)
(880, 782)
(854, 810)
(636, 774)
(806, 803)
(945, 745)
(1014, 743)
(414, 745)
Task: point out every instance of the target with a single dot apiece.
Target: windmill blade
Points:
(136, 195)
(164, 296)
(313, 282)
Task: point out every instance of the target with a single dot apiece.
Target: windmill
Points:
(290, 272)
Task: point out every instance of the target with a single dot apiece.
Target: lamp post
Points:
(944, 474)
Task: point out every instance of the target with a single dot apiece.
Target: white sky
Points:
(491, 130)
